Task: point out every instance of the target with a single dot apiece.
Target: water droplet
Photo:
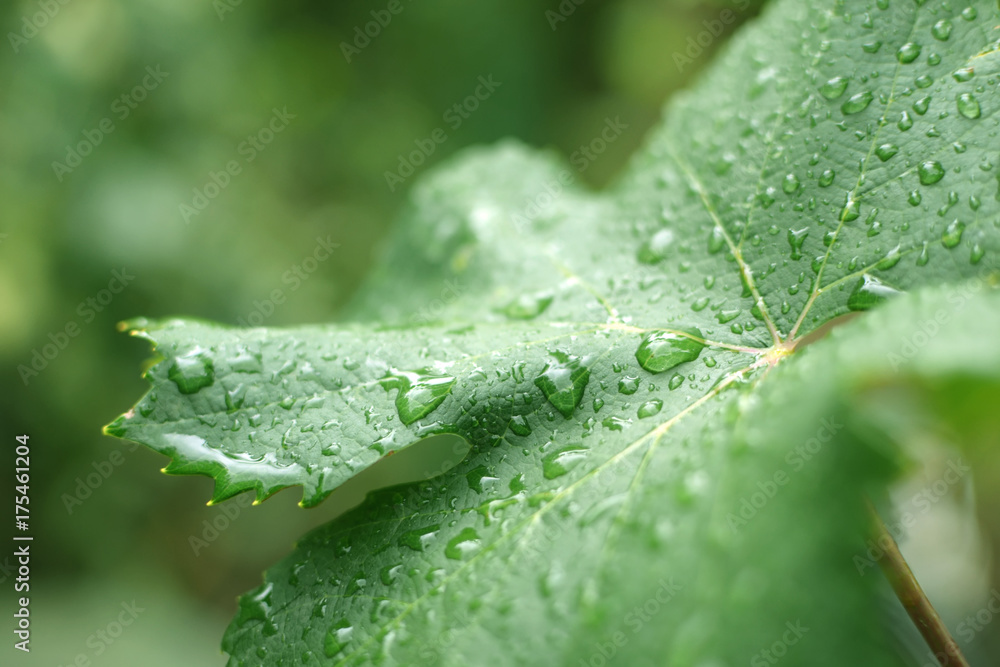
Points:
(527, 306)
(857, 103)
(246, 361)
(871, 47)
(558, 463)
(519, 425)
(675, 381)
(953, 234)
(891, 259)
(976, 254)
(796, 237)
(563, 381)
(662, 350)
(337, 638)
(968, 106)
(650, 408)
(942, 30)
(834, 88)
(924, 256)
(256, 606)
(791, 184)
(464, 545)
(922, 105)
(852, 210)
(598, 404)
(192, 372)
(419, 539)
(628, 385)
(970, 13)
(826, 178)
(885, 152)
(716, 240)
(655, 249)
(915, 198)
(908, 53)
(420, 392)
(930, 172)
(964, 74)
(869, 292)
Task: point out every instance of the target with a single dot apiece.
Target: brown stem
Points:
(914, 600)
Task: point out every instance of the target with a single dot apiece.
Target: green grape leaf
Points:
(628, 368)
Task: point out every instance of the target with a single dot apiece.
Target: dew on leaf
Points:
(922, 105)
(915, 198)
(891, 259)
(941, 30)
(650, 408)
(676, 381)
(337, 638)
(953, 234)
(655, 249)
(420, 392)
(857, 103)
(192, 373)
(930, 172)
(796, 237)
(908, 52)
(564, 380)
(826, 178)
(420, 538)
(834, 88)
(968, 106)
(519, 425)
(791, 184)
(871, 47)
(976, 254)
(885, 152)
(527, 306)
(558, 463)
(628, 385)
(868, 293)
(662, 350)
(464, 545)
(970, 13)
(716, 240)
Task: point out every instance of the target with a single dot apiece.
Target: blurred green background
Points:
(72, 69)
(163, 94)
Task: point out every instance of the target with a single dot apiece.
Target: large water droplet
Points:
(464, 545)
(930, 172)
(857, 103)
(826, 178)
(662, 350)
(953, 234)
(420, 538)
(558, 463)
(527, 306)
(791, 184)
(563, 381)
(628, 385)
(834, 88)
(885, 152)
(257, 606)
(942, 30)
(869, 292)
(908, 52)
(655, 249)
(968, 106)
(192, 372)
(419, 392)
(337, 638)
(796, 237)
(650, 408)
(716, 240)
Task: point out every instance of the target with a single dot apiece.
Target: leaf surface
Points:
(627, 367)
